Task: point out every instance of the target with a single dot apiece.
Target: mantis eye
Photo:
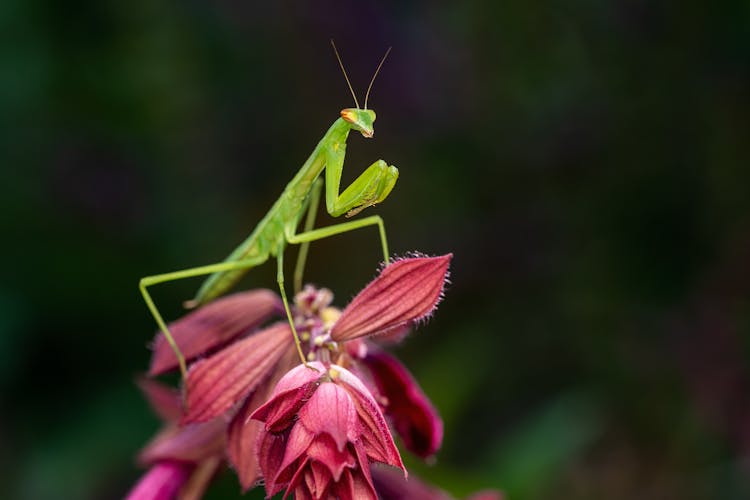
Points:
(349, 115)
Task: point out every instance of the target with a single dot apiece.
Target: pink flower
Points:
(322, 430)
(237, 379)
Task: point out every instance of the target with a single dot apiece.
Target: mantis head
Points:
(360, 120)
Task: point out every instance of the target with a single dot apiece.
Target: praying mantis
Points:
(279, 227)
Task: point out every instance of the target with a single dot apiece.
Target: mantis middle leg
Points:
(344, 227)
(312, 210)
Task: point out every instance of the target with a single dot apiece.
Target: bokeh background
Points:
(586, 162)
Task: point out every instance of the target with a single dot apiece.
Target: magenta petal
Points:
(318, 480)
(243, 432)
(410, 411)
(288, 396)
(364, 468)
(405, 291)
(271, 449)
(214, 385)
(324, 450)
(191, 443)
(330, 410)
(242, 435)
(163, 481)
(299, 376)
(375, 436)
(213, 325)
(354, 486)
(299, 482)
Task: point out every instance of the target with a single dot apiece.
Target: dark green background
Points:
(586, 162)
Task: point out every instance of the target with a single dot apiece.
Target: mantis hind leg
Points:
(186, 273)
(344, 227)
(312, 210)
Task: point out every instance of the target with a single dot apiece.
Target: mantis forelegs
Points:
(380, 179)
(371, 187)
(186, 273)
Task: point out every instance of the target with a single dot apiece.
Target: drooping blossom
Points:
(238, 376)
(322, 430)
(235, 365)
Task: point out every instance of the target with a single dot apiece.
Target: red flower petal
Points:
(376, 436)
(410, 411)
(213, 325)
(330, 410)
(162, 482)
(243, 432)
(191, 443)
(214, 385)
(354, 485)
(324, 451)
(318, 479)
(405, 291)
(271, 449)
(297, 443)
(288, 396)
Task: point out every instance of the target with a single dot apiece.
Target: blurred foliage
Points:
(585, 161)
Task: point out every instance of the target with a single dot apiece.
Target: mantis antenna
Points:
(345, 75)
(376, 74)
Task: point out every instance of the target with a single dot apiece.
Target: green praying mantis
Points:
(279, 227)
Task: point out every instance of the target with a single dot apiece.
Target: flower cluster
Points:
(315, 429)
